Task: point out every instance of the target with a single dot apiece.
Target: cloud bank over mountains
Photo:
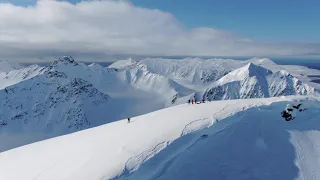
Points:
(101, 28)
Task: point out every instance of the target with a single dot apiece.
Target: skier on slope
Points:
(192, 101)
(128, 120)
(189, 101)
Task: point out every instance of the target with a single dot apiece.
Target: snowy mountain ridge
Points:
(49, 105)
(253, 81)
(68, 96)
(194, 70)
(85, 102)
(129, 91)
(16, 76)
(246, 71)
(190, 71)
(240, 139)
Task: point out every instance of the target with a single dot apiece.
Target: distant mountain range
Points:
(43, 102)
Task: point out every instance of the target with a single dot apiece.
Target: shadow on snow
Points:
(252, 144)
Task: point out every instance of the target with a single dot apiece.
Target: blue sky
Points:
(267, 20)
(275, 20)
(100, 28)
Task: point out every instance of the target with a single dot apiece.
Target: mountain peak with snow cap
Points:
(253, 81)
(123, 64)
(66, 60)
(249, 70)
(255, 70)
(95, 65)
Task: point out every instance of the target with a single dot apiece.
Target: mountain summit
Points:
(252, 81)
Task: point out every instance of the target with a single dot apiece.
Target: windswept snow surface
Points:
(232, 139)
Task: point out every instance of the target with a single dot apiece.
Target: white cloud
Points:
(54, 28)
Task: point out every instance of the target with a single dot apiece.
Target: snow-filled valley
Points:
(68, 120)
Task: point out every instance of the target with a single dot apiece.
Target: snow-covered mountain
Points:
(238, 139)
(19, 75)
(133, 88)
(253, 81)
(67, 96)
(7, 66)
(49, 105)
(13, 73)
(232, 139)
(191, 71)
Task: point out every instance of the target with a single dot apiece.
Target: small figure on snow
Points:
(128, 120)
(192, 101)
(297, 106)
(286, 115)
(202, 100)
(289, 113)
(189, 101)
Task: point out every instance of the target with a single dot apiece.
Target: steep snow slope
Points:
(19, 75)
(138, 85)
(302, 73)
(252, 144)
(233, 139)
(7, 66)
(65, 97)
(252, 81)
(50, 105)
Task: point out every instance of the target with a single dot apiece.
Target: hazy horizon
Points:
(310, 63)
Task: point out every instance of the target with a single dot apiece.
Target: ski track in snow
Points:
(134, 162)
(50, 168)
(200, 123)
(194, 126)
(191, 144)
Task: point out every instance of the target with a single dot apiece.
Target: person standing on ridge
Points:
(192, 101)
(189, 101)
(128, 120)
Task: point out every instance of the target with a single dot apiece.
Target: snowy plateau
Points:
(68, 121)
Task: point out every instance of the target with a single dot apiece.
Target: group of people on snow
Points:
(290, 111)
(192, 101)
